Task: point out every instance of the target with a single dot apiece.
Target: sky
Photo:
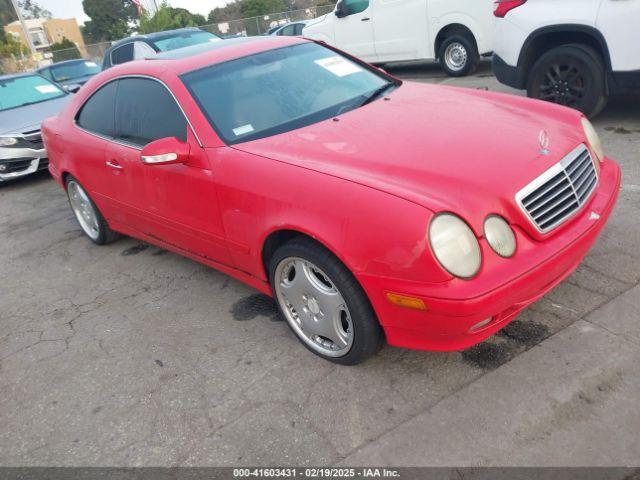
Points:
(73, 8)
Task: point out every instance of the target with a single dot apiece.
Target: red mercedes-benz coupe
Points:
(368, 207)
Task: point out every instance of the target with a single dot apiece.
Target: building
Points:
(44, 32)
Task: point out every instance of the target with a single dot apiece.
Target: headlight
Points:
(594, 139)
(454, 245)
(500, 236)
(7, 141)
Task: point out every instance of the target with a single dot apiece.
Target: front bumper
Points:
(19, 162)
(499, 292)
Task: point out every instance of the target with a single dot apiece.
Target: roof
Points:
(65, 62)
(156, 35)
(202, 48)
(192, 58)
(186, 59)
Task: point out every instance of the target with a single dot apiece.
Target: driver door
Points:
(175, 204)
(354, 29)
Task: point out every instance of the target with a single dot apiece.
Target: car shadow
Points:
(29, 181)
(621, 108)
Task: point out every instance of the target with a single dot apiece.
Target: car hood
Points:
(28, 118)
(461, 150)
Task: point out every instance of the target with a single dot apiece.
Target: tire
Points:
(458, 55)
(571, 75)
(87, 214)
(323, 303)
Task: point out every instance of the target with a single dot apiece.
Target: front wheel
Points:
(323, 303)
(89, 217)
(571, 75)
(458, 56)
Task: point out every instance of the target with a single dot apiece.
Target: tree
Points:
(109, 19)
(10, 47)
(169, 18)
(257, 8)
(31, 9)
(65, 49)
(231, 11)
(7, 13)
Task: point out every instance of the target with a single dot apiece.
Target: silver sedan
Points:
(25, 101)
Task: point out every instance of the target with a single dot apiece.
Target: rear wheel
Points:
(458, 55)
(323, 303)
(87, 214)
(570, 75)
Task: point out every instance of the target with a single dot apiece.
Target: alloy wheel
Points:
(83, 209)
(314, 307)
(563, 84)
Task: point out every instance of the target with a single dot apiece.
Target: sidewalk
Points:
(573, 400)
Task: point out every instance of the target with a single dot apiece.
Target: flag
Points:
(138, 4)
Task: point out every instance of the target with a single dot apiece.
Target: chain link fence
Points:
(261, 25)
(246, 27)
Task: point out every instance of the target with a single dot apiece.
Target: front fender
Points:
(370, 231)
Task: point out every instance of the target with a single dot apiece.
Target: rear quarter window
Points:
(97, 114)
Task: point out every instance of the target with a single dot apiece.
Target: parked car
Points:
(291, 29)
(25, 101)
(146, 46)
(455, 32)
(574, 53)
(338, 189)
(71, 74)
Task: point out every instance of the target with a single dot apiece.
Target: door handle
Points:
(114, 164)
(365, 19)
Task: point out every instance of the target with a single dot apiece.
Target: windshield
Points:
(21, 91)
(281, 90)
(69, 71)
(185, 39)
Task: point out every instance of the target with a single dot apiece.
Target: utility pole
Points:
(24, 27)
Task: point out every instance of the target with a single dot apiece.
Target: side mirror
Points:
(165, 152)
(340, 11)
(71, 88)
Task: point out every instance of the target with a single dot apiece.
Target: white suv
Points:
(571, 52)
(456, 32)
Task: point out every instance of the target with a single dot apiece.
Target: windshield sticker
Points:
(91, 64)
(46, 89)
(243, 130)
(339, 66)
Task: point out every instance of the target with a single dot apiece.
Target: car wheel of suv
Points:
(323, 303)
(458, 56)
(571, 75)
(89, 217)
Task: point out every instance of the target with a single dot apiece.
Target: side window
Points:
(288, 31)
(122, 54)
(46, 73)
(352, 7)
(146, 111)
(299, 28)
(97, 114)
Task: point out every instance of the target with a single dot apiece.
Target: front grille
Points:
(561, 191)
